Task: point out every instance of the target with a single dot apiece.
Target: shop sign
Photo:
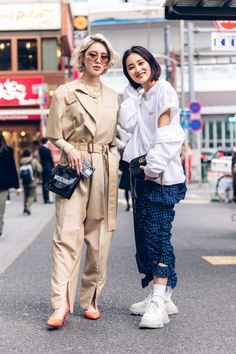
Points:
(223, 41)
(17, 91)
(227, 25)
(20, 117)
(26, 17)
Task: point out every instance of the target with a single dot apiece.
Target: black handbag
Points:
(135, 171)
(63, 181)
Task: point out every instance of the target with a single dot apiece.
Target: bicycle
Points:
(224, 188)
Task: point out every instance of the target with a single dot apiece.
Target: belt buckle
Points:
(90, 147)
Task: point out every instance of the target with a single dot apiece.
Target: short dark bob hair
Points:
(146, 55)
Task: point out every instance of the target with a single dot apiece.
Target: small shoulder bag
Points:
(63, 181)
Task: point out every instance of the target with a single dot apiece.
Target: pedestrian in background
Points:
(35, 155)
(125, 179)
(30, 171)
(82, 124)
(150, 112)
(233, 169)
(8, 176)
(47, 163)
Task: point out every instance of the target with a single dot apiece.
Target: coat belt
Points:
(112, 176)
(90, 147)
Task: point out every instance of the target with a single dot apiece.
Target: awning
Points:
(200, 9)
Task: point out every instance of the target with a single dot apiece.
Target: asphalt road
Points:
(205, 295)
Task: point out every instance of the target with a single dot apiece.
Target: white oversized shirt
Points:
(139, 114)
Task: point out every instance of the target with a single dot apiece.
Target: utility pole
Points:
(148, 26)
(195, 138)
(40, 89)
(168, 53)
(186, 129)
(182, 63)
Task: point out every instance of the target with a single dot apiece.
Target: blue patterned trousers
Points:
(153, 216)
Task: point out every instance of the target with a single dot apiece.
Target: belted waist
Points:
(90, 147)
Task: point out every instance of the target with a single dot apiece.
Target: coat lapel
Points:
(76, 88)
(90, 121)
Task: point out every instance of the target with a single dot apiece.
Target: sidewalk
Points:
(199, 193)
(20, 230)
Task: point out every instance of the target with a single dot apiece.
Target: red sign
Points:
(17, 91)
(195, 107)
(195, 124)
(225, 25)
(20, 116)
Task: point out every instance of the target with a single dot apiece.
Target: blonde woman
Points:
(82, 123)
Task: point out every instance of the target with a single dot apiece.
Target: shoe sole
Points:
(170, 313)
(150, 325)
(173, 313)
(135, 313)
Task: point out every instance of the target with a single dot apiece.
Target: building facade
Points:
(36, 41)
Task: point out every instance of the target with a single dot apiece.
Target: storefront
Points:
(36, 42)
(21, 115)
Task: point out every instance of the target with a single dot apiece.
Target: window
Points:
(219, 134)
(27, 54)
(5, 54)
(51, 54)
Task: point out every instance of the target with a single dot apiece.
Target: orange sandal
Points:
(92, 315)
(55, 323)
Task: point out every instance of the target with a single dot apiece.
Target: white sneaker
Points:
(140, 307)
(155, 316)
(171, 308)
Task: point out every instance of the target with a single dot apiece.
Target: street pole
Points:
(182, 60)
(148, 26)
(195, 138)
(40, 89)
(182, 63)
(168, 53)
(42, 111)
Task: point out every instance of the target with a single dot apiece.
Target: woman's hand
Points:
(147, 178)
(18, 192)
(74, 159)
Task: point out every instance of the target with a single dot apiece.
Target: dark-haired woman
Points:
(150, 112)
(8, 176)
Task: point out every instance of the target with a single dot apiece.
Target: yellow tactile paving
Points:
(220, 260)
(195, 201)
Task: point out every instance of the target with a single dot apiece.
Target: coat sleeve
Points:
(168, 99)
(167, 140)
(54, 129)
(129, 109)
(56, 112)
(166, 144)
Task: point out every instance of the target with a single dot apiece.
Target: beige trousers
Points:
(73, 228)
(3, 199)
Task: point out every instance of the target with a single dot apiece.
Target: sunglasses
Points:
(93, 56)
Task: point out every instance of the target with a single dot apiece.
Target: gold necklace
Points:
(96, 92)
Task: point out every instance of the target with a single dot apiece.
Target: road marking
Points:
(194, 201)
(220, 260)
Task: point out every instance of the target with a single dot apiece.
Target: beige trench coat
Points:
(77, 119)
(73, 117)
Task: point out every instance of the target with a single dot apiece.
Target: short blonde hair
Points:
(78, 53)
